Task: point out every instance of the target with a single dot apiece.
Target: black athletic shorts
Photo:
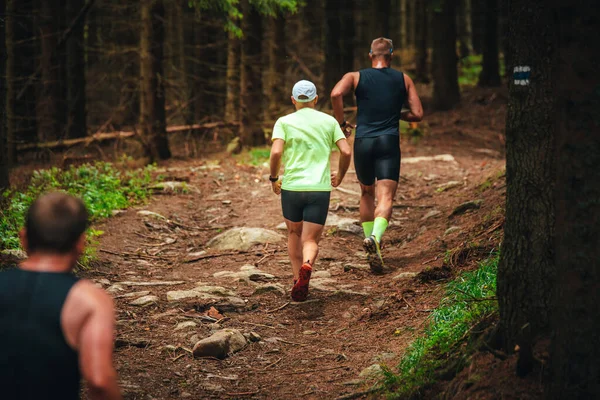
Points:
(377, 157)
(305, 206)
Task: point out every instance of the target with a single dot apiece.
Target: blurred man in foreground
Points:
(54, 328)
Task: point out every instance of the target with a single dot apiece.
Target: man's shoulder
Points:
(87, 292)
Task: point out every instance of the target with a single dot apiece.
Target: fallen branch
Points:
(278, 308)
(101, 137)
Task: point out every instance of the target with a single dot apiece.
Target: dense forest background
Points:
(105, 66)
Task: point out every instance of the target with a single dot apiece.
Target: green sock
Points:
(368, 228)
(379, 227)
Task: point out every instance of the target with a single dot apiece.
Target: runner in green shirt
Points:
(304, 140)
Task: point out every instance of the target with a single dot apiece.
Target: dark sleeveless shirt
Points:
(380, 95)
(35, 360)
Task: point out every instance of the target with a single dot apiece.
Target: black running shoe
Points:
(374, 257)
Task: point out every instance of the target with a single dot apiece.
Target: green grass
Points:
(255, 156)
(468, 300)
(102, 186)
(470, 67)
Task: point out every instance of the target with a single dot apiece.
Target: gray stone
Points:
(441, 157)
(243, 238)
(144, 301)
(155, 283)
(371, 372)
(405, 275)
(146, 213)
(452, 229)
(269, 287)
(386, 356)
(323, 284)
(231, 304)
(253, 337)
(431, 214)
(246, 272)
(185, 325)
(220, 344)
(134, 294)
(204, 292)
(19, 254)
(321, 274)
(464, 207)
(359, 267)
(211, 387)
(194, 339)
(174, 187)
(118, 212)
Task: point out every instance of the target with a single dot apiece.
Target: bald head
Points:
(382, 47)
(54, 223)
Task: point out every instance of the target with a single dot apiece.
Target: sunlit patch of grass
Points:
(101, 186)
(469, 299)
(254, 156)
(469, 69)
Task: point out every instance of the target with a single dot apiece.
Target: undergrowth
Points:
(102, 186)
(469, 299)
(470, 69)
(256, 156)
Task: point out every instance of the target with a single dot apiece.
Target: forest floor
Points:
(352, 319)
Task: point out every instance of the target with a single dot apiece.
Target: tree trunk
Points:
(275, 84)
(465, 33)
(412, 24)
(490, 73)
(526, 270)
(51, 105)
(422, 52)
(362, 37)
(251, 104)
(403, 39)
(152, 91)
(333, 53)
(184, 93)
(20, 100)
(232, 100)
(575, 351)
(446, 93)
(76, 97)
(4, 166)
(381, 18)
(478, 25)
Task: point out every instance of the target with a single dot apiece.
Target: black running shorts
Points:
(305, 206)
(377, 157)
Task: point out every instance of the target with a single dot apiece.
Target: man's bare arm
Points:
(95, 345)
(415, 108)
(275, 158)
(342, 88)
(344, 163)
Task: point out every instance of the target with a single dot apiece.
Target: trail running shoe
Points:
(373, 254)
(300, 289)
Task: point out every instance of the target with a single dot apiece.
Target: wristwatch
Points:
(343, 124)
(273, 179)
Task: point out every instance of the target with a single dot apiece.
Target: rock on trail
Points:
(242, 239)
(220, 344)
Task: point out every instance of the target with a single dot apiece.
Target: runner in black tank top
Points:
(381, 92)
(55, 329)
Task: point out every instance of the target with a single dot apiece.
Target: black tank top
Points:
(35, 360)
(380, 95)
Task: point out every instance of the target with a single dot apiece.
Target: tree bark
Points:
(76, 95)
(403, 39)
(251, 101)
(575, 350)
(412, 23)
(4, 166)
(51, 104)
(275, 84)
(333, 53)
(232, 100)
(526, 271)
(465, 32)
(446, 93)
(152, 91)
(362, 37)
(422, 51)
(478, 25)
(490, 73)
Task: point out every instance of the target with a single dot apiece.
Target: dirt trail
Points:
(353, 319)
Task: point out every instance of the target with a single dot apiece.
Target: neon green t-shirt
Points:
(309, 137)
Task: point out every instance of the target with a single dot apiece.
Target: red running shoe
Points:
(300, 289)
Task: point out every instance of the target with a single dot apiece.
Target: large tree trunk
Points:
(152, 90)
(575, 354)
(339, 44)
(251, 104)
(4, 166)
(232, 90)
(51, 104)
(403, 39)
(526, 270)
(490, 73)
(465, 33)
(362, 37)
(422, 54)
(446, 93)
(76, 100)
(275, 84)
(478, 25)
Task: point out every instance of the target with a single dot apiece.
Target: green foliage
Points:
(102, 187)
(230, 10)
(469, 299)
(414, 134)
(469, 69)
(255, 156)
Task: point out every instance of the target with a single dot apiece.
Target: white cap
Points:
(304, 88)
